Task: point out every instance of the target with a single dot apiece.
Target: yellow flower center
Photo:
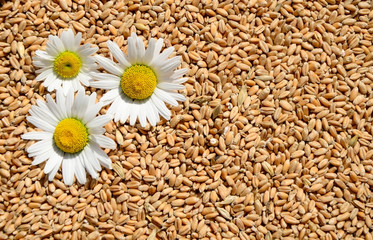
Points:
(67, 64)
(138, 82)
(70, 135)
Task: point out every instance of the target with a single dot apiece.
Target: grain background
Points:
(274, 140)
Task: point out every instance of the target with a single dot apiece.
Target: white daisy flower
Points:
(65, 63)
(142, 82)
(72, 135)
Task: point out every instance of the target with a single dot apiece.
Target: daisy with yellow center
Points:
(141, 82)
(71, 136)
(65, 63)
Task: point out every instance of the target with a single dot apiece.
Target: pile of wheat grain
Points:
(273, 142)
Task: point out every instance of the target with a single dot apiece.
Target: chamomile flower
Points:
(141, 82)
(65, 63)
(72, 136)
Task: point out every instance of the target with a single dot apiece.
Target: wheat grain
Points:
(272, 142)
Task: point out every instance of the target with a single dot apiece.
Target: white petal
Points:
(77, 40)
(87, 77)
(170, 86)
(41, 152)
(93, 159)
(123, 114)
(91, 112)
(158, 48)
(149, 53)
(163, 110)
(41, 157)
(180, 80)
(79, 169)
(49, 80)
(169, 65)
(109, 65)
(86, 50)
(60, 101)
(161, 58)
(105, 81)
(121, 108)
(118, 54)
(92, 108)
(95, 164)
(69, 102)
(92, 99)
(53, 172)
(37, 122)
(101, 155)
(42, 112)
(152, 113)
(75, 83)
(41, 147)
(52, 49)
(179, 73)
(99, 121)
(133, 115)
(164, 96)
(67, 38)
(97, 131)
(44, 74)
(84, 79)
(68, 167)
(42, 63)
(53, 107)
(131, 49)
(103, 141)
(110, 96)
(53, 161)
(143, 111)
(177, 96)
(80, 105)
(57, 44)
(67, 87)
(54, 85)
(140, 49)
(38, 146)
(37, 135)
(115, 108)
(87, 156)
